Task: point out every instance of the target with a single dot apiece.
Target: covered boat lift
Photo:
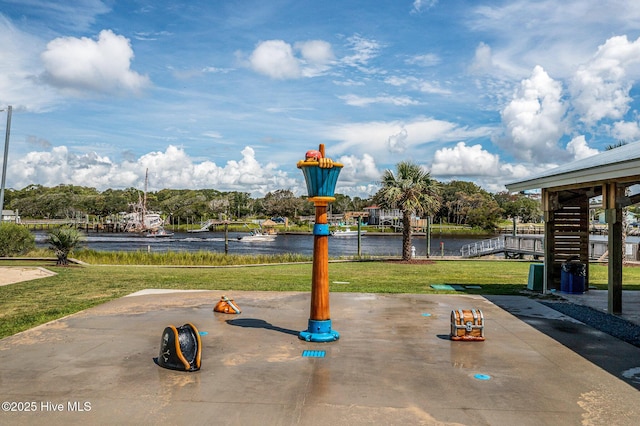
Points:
(566, 191)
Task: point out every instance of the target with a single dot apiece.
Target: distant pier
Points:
(48, 224)
(521, 246)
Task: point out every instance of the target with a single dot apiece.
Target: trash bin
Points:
(536, 276)
(572, 277)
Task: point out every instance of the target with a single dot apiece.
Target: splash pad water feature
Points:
(321, 176)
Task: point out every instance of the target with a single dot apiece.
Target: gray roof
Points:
(618, 164)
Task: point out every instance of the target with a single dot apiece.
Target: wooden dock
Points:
(521, 246)
(48, 224)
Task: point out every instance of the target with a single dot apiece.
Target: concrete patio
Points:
(394, 364)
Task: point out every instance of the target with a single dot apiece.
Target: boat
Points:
(346, 233)
(196, 231)
(158, 233)
(141, 220)
(257, 236)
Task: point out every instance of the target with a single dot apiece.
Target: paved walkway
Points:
(393, 364)
(598, 299)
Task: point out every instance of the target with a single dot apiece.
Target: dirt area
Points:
(16, 274)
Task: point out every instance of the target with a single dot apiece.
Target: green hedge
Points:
(15, 240)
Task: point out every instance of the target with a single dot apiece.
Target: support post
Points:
(428, 237)
(549, 258)
(226, 238)
(611, 193)
(359, 237)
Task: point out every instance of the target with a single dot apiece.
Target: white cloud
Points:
(579, 148)
(483, 60)
(533, 120)
(427, 87)
(213, 135)
(463, 160)
(348, 83)
(315, 51)
(473, 163)
(364, 50)
(510, 171)
(417, 84)
(358, 169)
(277, 58)
(600, 88)
(507, 172)
(175, 169)
(397, 143)
(217, 70)
(421, 5)
(426, 60)
(399, 81)
(78, 65)
(555, 34)
(18, 83)
(360, 101)
(152, 35)
(365, 190)
(360, 176)
(51, 168)
(317, 56)
(374, 137)
(78, 15)
(172, 168)
(626, 131)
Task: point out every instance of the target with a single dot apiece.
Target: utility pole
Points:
(4, 163)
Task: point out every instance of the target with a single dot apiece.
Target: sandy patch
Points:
(16, 274)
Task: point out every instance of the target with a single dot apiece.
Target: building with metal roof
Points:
(566, 191)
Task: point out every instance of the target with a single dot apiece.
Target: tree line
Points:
(458, 202)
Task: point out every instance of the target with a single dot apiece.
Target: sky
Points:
(229, 95)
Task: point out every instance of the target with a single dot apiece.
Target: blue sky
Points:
(230, 94)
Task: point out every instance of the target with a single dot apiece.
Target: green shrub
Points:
(15, 240)
(62, 242)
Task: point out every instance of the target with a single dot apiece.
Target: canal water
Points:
(371, 245)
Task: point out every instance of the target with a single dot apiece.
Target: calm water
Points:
(372, 245)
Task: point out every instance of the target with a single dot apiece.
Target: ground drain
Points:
(313, 354)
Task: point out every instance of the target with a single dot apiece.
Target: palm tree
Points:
(410, 190)
(63, 241)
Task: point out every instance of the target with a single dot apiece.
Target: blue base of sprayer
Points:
(319, 331)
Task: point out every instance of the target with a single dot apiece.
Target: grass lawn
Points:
(27, 304)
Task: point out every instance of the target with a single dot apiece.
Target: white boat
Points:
(140, 219)
(196, 231)
(158, 233)
(256, 236)
(346, 233)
